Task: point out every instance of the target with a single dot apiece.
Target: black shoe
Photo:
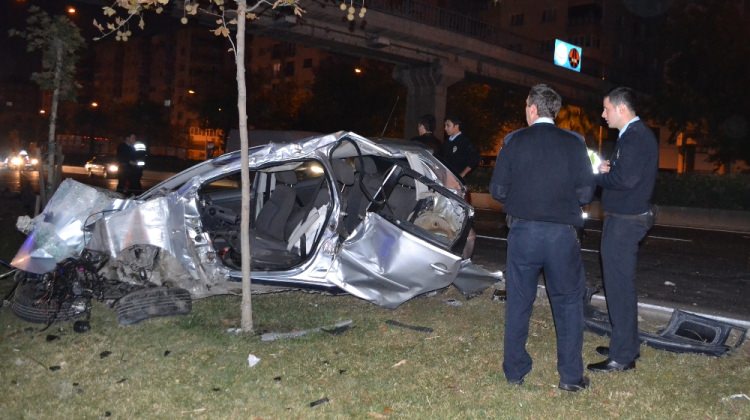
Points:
(604, 351)
(580, 386)
(610, 365)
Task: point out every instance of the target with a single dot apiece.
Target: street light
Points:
(42, 112)
(71, 10)
(94, 104)
(191, 91)
(357, 70)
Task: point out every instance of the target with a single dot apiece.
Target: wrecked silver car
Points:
(382, 221)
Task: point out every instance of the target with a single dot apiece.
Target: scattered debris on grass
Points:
(453, 302)
(335, 329)
(499, 295)
(81, 326)
(399, 363)
(319, 402)
(252, 360)
(686, 332)
(394, 323)
(736, 397)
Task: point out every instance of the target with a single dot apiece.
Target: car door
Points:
(409, 242)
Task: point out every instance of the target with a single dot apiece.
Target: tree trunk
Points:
(239, 56)
(51, 145)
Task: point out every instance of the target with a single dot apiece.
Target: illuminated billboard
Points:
(568, 55)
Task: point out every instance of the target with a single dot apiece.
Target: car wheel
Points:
(152, 302)
(32, 302)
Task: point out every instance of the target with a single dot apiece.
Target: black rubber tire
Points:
(27, 305)
(152, 302)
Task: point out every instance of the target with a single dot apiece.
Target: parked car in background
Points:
(102, 165)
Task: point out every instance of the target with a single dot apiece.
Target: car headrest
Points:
(286, 177)
(369, 165)
(406, 181)
(343, 172)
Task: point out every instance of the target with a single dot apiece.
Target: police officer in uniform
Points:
(627, 182)
(458, 153)
(543, 175)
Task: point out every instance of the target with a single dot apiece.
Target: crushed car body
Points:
(382, 221)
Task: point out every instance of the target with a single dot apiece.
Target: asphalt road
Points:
(699, 270)
(11, 180)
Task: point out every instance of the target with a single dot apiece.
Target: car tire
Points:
(152, 302)
(27, 303)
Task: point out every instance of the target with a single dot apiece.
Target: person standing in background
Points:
(458, 153)
(126, 163)
(426, 137)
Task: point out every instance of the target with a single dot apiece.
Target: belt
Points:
(647, 213)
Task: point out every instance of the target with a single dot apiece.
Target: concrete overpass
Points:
(432, 48)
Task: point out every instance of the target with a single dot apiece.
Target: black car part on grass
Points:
(152, 302)
(685, 333)
(399, 324)
(60, 295)
(65, 294)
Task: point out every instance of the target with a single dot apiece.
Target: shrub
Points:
(728, 192)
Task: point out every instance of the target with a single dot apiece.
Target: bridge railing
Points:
(466, 25)
(449, 20)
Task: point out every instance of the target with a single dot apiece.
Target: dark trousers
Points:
(123, 179)
(621, 235)
(554, 248)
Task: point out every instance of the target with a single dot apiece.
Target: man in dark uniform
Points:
(126, 164)
(628, 183)
(458, 153)
(426, 137)
(543, 175)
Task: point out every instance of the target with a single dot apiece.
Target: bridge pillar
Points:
(427, 88)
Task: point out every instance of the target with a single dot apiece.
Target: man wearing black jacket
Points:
(426, 137)
(543, 175)
(458, 153)
(627, 181)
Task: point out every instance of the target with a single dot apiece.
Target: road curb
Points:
(663, 312)
(661, 309)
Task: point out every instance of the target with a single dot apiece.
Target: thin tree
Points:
(59, 40)
(119, 27)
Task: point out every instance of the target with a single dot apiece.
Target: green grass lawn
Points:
(190, 367)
